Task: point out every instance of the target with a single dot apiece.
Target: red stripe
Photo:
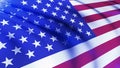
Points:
(101, 15)
(93, 5)
(90, 55)
(101, 49)
(114, 64)
(106, 28)
(118, 1)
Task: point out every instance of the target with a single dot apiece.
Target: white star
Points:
(68, 34)
(53, 38)
(79, 30)
(54, 13)
(51, 0)
(2, 10)
(4, 22)
(23, 39)
(30, 30)
(68, 7)
(74, 15)
(63, 17)
(49, 47)
(11, 16)
(6, 5)
(57, 8)
(25, 18)
(88, 33)
(36, 43)
(39, 1)
(42, 34)
(60, 24)
(11, 35)
(7, 62)
(60, 3)
(16, 50)
(24, 2)
(48, 5)
(50, 20)
(66, 12)
(17, 27)
(44, 10)
(18, 9)
(77, 37)
(36, 22)
(72, 20)
(47, 26)
(57, 30)
(30, 54)
(29, 13)
(2, 45)
(40, 17)
(34, 6)
(81, 24)
(12, 13)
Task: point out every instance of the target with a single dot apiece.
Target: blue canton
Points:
(33, 29)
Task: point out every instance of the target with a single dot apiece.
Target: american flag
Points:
(52, 34)
(103, 17)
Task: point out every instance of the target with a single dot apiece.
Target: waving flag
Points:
(52, 34)
(103, 17)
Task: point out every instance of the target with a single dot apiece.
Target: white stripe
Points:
(104, 59)
(92, 11)
(68, 54)
(105, 21)
(74, 2)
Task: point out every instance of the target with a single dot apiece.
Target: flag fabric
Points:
(103, 18)
(32, 30)
(52, 34)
